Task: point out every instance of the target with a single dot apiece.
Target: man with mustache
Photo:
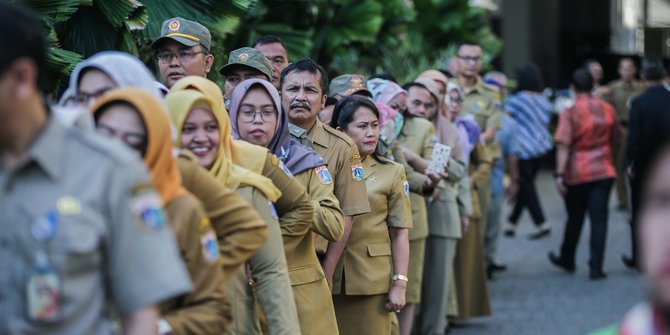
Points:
(303, 85)
(183, 50)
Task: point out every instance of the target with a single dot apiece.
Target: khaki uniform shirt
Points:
(270, 273)
(328, 219)
(619, 96)
(342, 157)
(418, 135)
(204, 310)
(367, 266)
(105, 251)
(482, 102)
(310, 287)
(239, 229)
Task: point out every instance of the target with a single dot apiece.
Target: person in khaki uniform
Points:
(91, 246)
(480, 101)
(303, 87)
(271, 131)
(255, 96)
(239, 230)
(130, 115)
(619, 94)
(371, 277)
(469, 267)
(444, 226)
(416, 140)
(268, 269)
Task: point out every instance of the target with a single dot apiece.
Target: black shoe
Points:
(509, 233)
(497, 267)
(542, 233)
(630, 262)
(556, 260)
(597, 275)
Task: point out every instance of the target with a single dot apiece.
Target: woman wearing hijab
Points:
(130, 115)
(444, 224)
(294, 204)
(200, 126)
(371, 280)
(469, 267)
(256, 116)
(239, 229)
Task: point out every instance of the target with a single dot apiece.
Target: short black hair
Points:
(529, 78)
(22, 37)
(582, 80)
(269, 39)
(306, 65)
(652, 69)
(344, 111)
(468, 43)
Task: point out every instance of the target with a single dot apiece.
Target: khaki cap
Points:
(250, 58)
(188, 33)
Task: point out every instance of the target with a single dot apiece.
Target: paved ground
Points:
(533, 297)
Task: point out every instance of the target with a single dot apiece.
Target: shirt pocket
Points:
(305, 275)
(77, 246)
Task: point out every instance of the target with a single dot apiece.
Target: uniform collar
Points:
(477, 88)
(48, 148)
(368, 163)
(318, 134)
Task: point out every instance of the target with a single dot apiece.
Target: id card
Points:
(441, 155)
(42, 292)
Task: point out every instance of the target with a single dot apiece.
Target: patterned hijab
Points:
(383, 91)
(158, 157)
(295, 156)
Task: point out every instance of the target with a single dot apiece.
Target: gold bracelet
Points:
(400, 277)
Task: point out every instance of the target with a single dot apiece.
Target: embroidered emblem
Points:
(324, 175)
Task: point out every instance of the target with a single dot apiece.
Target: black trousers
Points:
(527, 196)
(594, 198)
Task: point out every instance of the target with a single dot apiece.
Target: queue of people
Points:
(285, 203)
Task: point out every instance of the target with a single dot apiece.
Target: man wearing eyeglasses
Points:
(183, 50)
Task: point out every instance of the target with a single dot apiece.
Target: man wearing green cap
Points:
(245, 63)
(183, 50)
(341, 87)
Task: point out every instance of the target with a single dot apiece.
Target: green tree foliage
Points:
(399, 37)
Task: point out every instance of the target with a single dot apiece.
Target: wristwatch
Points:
(400, 277)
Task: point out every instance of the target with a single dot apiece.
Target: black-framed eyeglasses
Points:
(183, 56)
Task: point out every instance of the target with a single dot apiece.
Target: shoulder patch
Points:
(405, 186)
(323, 174)
(210, 248)
(357, 172)
(147, 207)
